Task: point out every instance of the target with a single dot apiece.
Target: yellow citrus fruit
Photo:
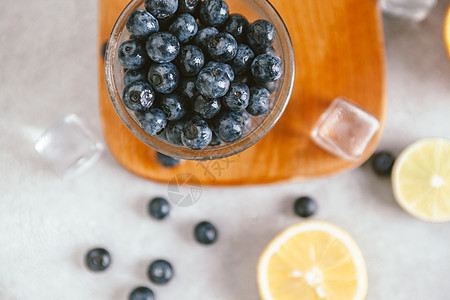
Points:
(421, 179)
(312, 260)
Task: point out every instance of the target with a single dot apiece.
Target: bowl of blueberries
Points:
(199, 80)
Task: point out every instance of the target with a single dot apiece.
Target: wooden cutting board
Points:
(339, 51)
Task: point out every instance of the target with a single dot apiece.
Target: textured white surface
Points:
(48, 55)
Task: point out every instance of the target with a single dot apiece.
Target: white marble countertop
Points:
(48, 58)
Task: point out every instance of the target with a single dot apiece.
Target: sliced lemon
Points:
(421, 179)
(312, 260)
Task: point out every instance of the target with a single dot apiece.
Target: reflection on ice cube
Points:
(345, 129)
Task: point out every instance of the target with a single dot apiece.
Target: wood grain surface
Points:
(339, 51)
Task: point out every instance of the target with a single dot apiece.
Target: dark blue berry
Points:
(271, 86)
(189, 6)
(132, 55)
(305, 207)
(222, 47)
(98, 259)
(205, 233)
(196, 134)
(158, 208)
(174, 131)
(160, 271)
(190, 60)
(247, 121)
(204, 36)
(242, 61)
(141, 24)
(223, 66)
(229, 126)
(212, 82)
(267, 67)
(173, 106)
(237, 26)
(164, 77)
(213, 12)
(162, 47)
(141, 293)
(207, 108)
(382, 163)
(259, 102)
(153, 121)
(135, 75)
(215, 141)
(184, 27)
(138, 96)
(237, 97)
(268, 50)
(187, 88)
(161, 9)
(261, 34)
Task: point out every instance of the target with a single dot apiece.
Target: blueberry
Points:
(212, 82)
(132, 55)
(213, 12)
(173, 106)
(196, 134)
(164, 78)
(162, 47)
(205, 233)
(204, 36)
(267, 67)
(237, 97)
(189, 6)
(153, 121)
(141, 24)
(160, 271)
(190, 60)
(382, 163)
(261, 34)
(98, 259)
(229, 126)
(215, 141)
(247, 121)
(305, 207)
(161, 9)
(207, 108)
(268, 50)
(167, 161)
(237, 26)
(242, 61)
(222, 47)
(187, 88)
(270, 86)
(174, 131)
(184, 27)
(158, 208)
(138, 96)
(259, 101)
(141, 293)
(226, 67)
(135, 75)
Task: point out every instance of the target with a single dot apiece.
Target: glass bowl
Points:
(252, 10)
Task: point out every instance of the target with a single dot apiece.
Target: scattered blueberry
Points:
(138, 96)
(190, 60)
(189, 6)
(187, 88)
(268, 50)
(141, 24)
(207, 108)
(164, 77)
(141, 293)
(204, 36)
(205, 233)
(226, 67)
(173, 106)
(382, 163)
(267, 67)
(212, 82)
(261, 34)
(259, 102)
(229, 126)
(222, 47)
(153, 121)
(242, 61)
(237, 97)
(98, 259)
(135, 75)
(132, 55)
(161, 9)
(305, 207)
(158, 208)
(237, 26)
(173, 132)
(160, 271)
(162, 47)
(196, 134)
(213, 12)
(184, 27)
